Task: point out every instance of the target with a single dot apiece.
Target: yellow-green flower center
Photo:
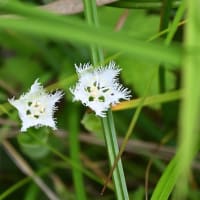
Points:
(35, 109)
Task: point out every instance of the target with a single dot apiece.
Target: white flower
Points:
(98, 88)
(36, 108)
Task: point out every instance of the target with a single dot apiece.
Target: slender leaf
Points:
(49, 25)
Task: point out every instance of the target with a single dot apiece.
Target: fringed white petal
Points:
(36, 108)
(98, 88)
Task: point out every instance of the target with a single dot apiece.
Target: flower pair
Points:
(97, 88)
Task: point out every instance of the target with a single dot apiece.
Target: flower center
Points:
(35, 109)
(96, 93)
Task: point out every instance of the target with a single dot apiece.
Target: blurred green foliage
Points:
(26, 56)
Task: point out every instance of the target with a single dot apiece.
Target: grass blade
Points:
(46, 24)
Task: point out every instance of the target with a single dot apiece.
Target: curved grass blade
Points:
(49, 25)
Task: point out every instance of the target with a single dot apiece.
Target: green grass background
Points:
(157, 48)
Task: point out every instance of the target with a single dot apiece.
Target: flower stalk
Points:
(113, 150)
(98, 88)
(121, 191)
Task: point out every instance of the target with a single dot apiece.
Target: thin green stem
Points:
(113, 150)
(129, 131)
(24, 181)
(174, 26)
(13, 188)
(92, 19)
(73, 124)
(117, 162)
(107, 122)
(164, 22)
